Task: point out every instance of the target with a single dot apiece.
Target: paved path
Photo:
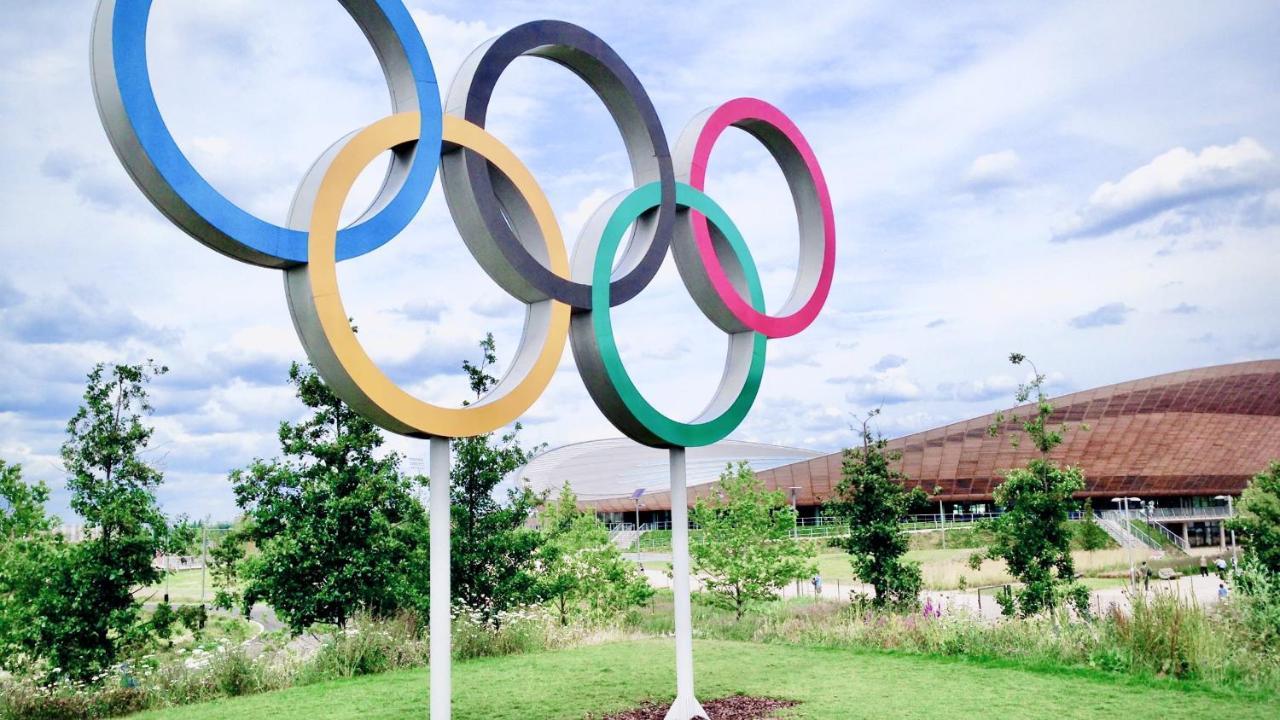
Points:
(1202, 591)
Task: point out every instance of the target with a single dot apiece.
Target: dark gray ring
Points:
(477, 206)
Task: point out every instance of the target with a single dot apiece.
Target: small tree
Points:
(583, 572)
(493, 551)
(872, 499)
(745, 551)
(1258, 518)
(224, 568)
(27, 547)
(1033, 535)
(337, 526)
(71, 606)
(1090, 533)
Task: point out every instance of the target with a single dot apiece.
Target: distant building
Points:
(605, 474)
(1175, 441)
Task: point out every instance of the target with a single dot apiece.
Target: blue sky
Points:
(1093, 184)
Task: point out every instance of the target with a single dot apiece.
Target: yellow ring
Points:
(322, 321)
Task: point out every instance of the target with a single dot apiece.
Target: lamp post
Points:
(942, 524)
(635, 495)
(638, 503)
(795, 514)
(1128, 526)
(1231, 513)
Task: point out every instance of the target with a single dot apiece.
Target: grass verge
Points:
(829, 683)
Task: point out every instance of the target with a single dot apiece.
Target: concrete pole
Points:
(1231, 513)
(1128, 526)
(686, 705)
(440, 658)
(638, 532)
(204, 554)
(942, 524)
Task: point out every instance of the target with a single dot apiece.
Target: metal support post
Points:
(440, 657)
(686, 705)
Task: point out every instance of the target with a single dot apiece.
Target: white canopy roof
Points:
(600, 469)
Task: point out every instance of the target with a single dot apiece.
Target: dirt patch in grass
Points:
(738, 707)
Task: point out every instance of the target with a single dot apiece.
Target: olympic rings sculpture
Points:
(503, 217)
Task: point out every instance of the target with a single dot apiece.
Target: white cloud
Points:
(1175, 178)
(884, 388)
(994, 170)
(983, 390)
(889, 362)
(1110, 314)
(901, 109)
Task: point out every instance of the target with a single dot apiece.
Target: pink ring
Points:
(813, 205)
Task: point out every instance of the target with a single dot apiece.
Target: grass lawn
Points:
(830, 683)
(184, 589)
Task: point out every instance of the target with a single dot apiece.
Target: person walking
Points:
(1204, 566)
(1145, 572)
(817, 585)
(1221, 565)
(1223, 591)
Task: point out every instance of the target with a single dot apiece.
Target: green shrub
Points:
(367, 646)
(1162, 635)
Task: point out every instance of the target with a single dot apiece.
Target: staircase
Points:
(625, 540)
(1114, 525)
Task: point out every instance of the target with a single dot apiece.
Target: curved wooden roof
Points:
(1195, 432)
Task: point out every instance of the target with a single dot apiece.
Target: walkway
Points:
(1198, 590)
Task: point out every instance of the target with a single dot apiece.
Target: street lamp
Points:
(636, 496)
(1231, 513)
(795, 514)
(1128, 526)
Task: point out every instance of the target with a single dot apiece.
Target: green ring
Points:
(672, 432)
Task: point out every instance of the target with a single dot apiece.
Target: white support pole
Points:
(942, 524)
(686, 705)
(439, 651)
(1231, 513)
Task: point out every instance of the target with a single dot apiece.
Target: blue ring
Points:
(129, 42)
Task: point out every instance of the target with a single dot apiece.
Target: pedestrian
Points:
(1221, 565)
(1146, 576)
(1204, 566)
(1223, 591)
(817, 585)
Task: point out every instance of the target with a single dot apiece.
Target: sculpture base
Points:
(686, 708)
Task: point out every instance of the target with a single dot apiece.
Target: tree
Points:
(493, 552)
(224, 568)
(746, 551)
(1089, 532)
(27, 545)
(72, 606)
(337, 526)
(873, 499)
(1258, 518)
(22, 513)
(1033, 535)
(583, 572)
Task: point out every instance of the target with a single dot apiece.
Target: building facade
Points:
(1177, 442)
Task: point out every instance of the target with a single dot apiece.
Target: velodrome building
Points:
(1178, 442)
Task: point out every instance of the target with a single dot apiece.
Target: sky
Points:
(1096, 185)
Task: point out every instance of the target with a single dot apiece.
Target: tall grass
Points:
(1162, 636)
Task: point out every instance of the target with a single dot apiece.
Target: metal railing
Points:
(1140, 533)
(1118, 532)
(1173, 538)
(1210, 513)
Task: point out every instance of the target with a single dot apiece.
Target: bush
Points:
(366, 647)
(515, 632)
(1162, 635)
(1256, 603)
